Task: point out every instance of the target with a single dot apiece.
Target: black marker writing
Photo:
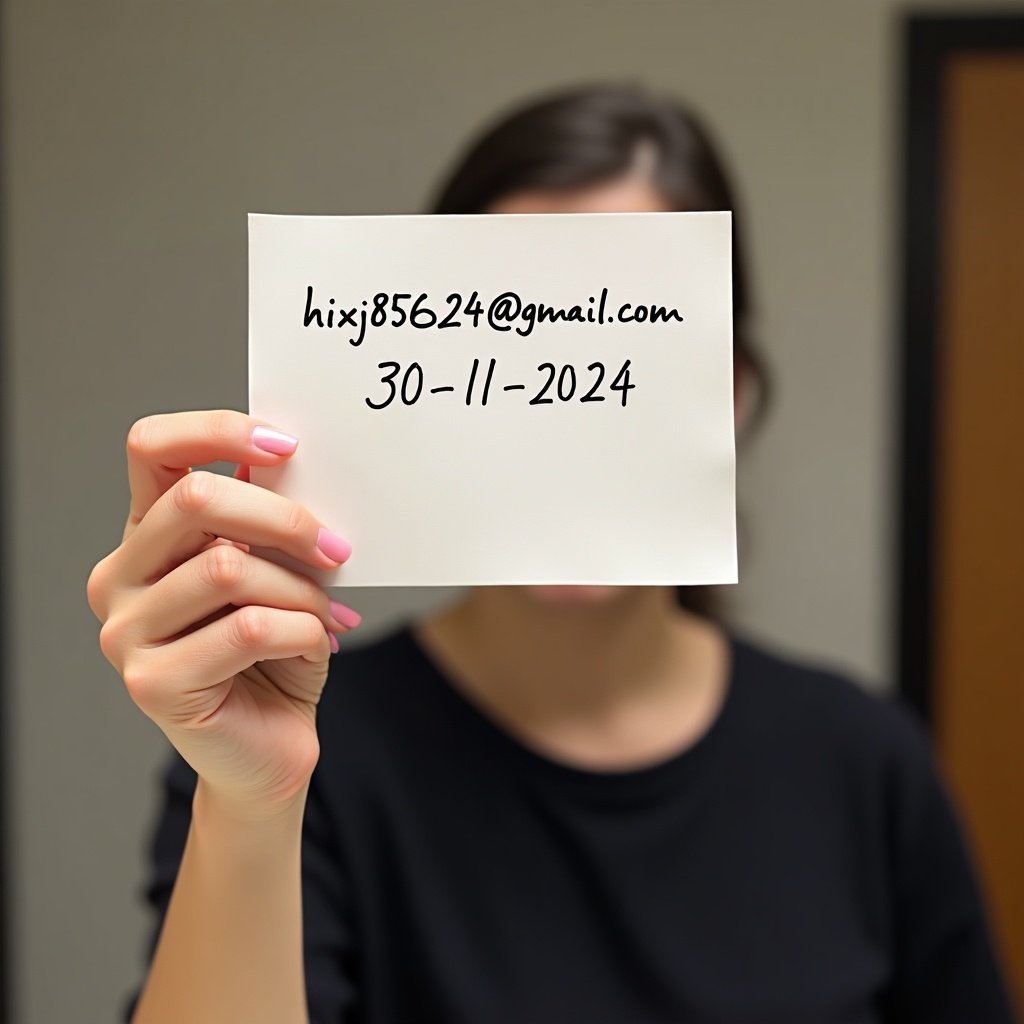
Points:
(505, 312)
(556, 384)
(345, 317)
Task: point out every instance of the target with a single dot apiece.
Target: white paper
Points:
(443, 489)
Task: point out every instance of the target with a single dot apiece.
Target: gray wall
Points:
(139, 134)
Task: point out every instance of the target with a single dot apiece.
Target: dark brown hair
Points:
(594, 133)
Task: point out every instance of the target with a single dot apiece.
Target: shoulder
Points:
(860, 769)
(814, 706)
(844, 755)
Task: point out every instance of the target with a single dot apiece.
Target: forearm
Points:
(231, 945)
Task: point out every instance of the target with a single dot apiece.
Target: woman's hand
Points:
(227, 652)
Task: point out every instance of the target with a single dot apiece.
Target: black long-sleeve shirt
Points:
(799, 863)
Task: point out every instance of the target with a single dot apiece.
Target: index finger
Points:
(162, 448)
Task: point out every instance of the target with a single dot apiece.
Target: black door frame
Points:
(929, 41)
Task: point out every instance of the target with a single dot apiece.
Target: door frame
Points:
(929, 42)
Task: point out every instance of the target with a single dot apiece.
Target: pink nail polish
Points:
(346, 616)
(336, 548)
(274, 441)
(335, 646)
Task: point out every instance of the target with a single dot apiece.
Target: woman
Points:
(544, 804)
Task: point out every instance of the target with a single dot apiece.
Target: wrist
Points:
(213, 808)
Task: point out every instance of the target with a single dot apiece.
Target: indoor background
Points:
(138, 135)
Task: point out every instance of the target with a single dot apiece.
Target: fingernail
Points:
(335, 646)
(346, 616)
(336, 548)
(274, 441)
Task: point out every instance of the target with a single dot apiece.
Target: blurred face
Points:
(629, 194)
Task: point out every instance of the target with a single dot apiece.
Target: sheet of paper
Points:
(501, 399)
